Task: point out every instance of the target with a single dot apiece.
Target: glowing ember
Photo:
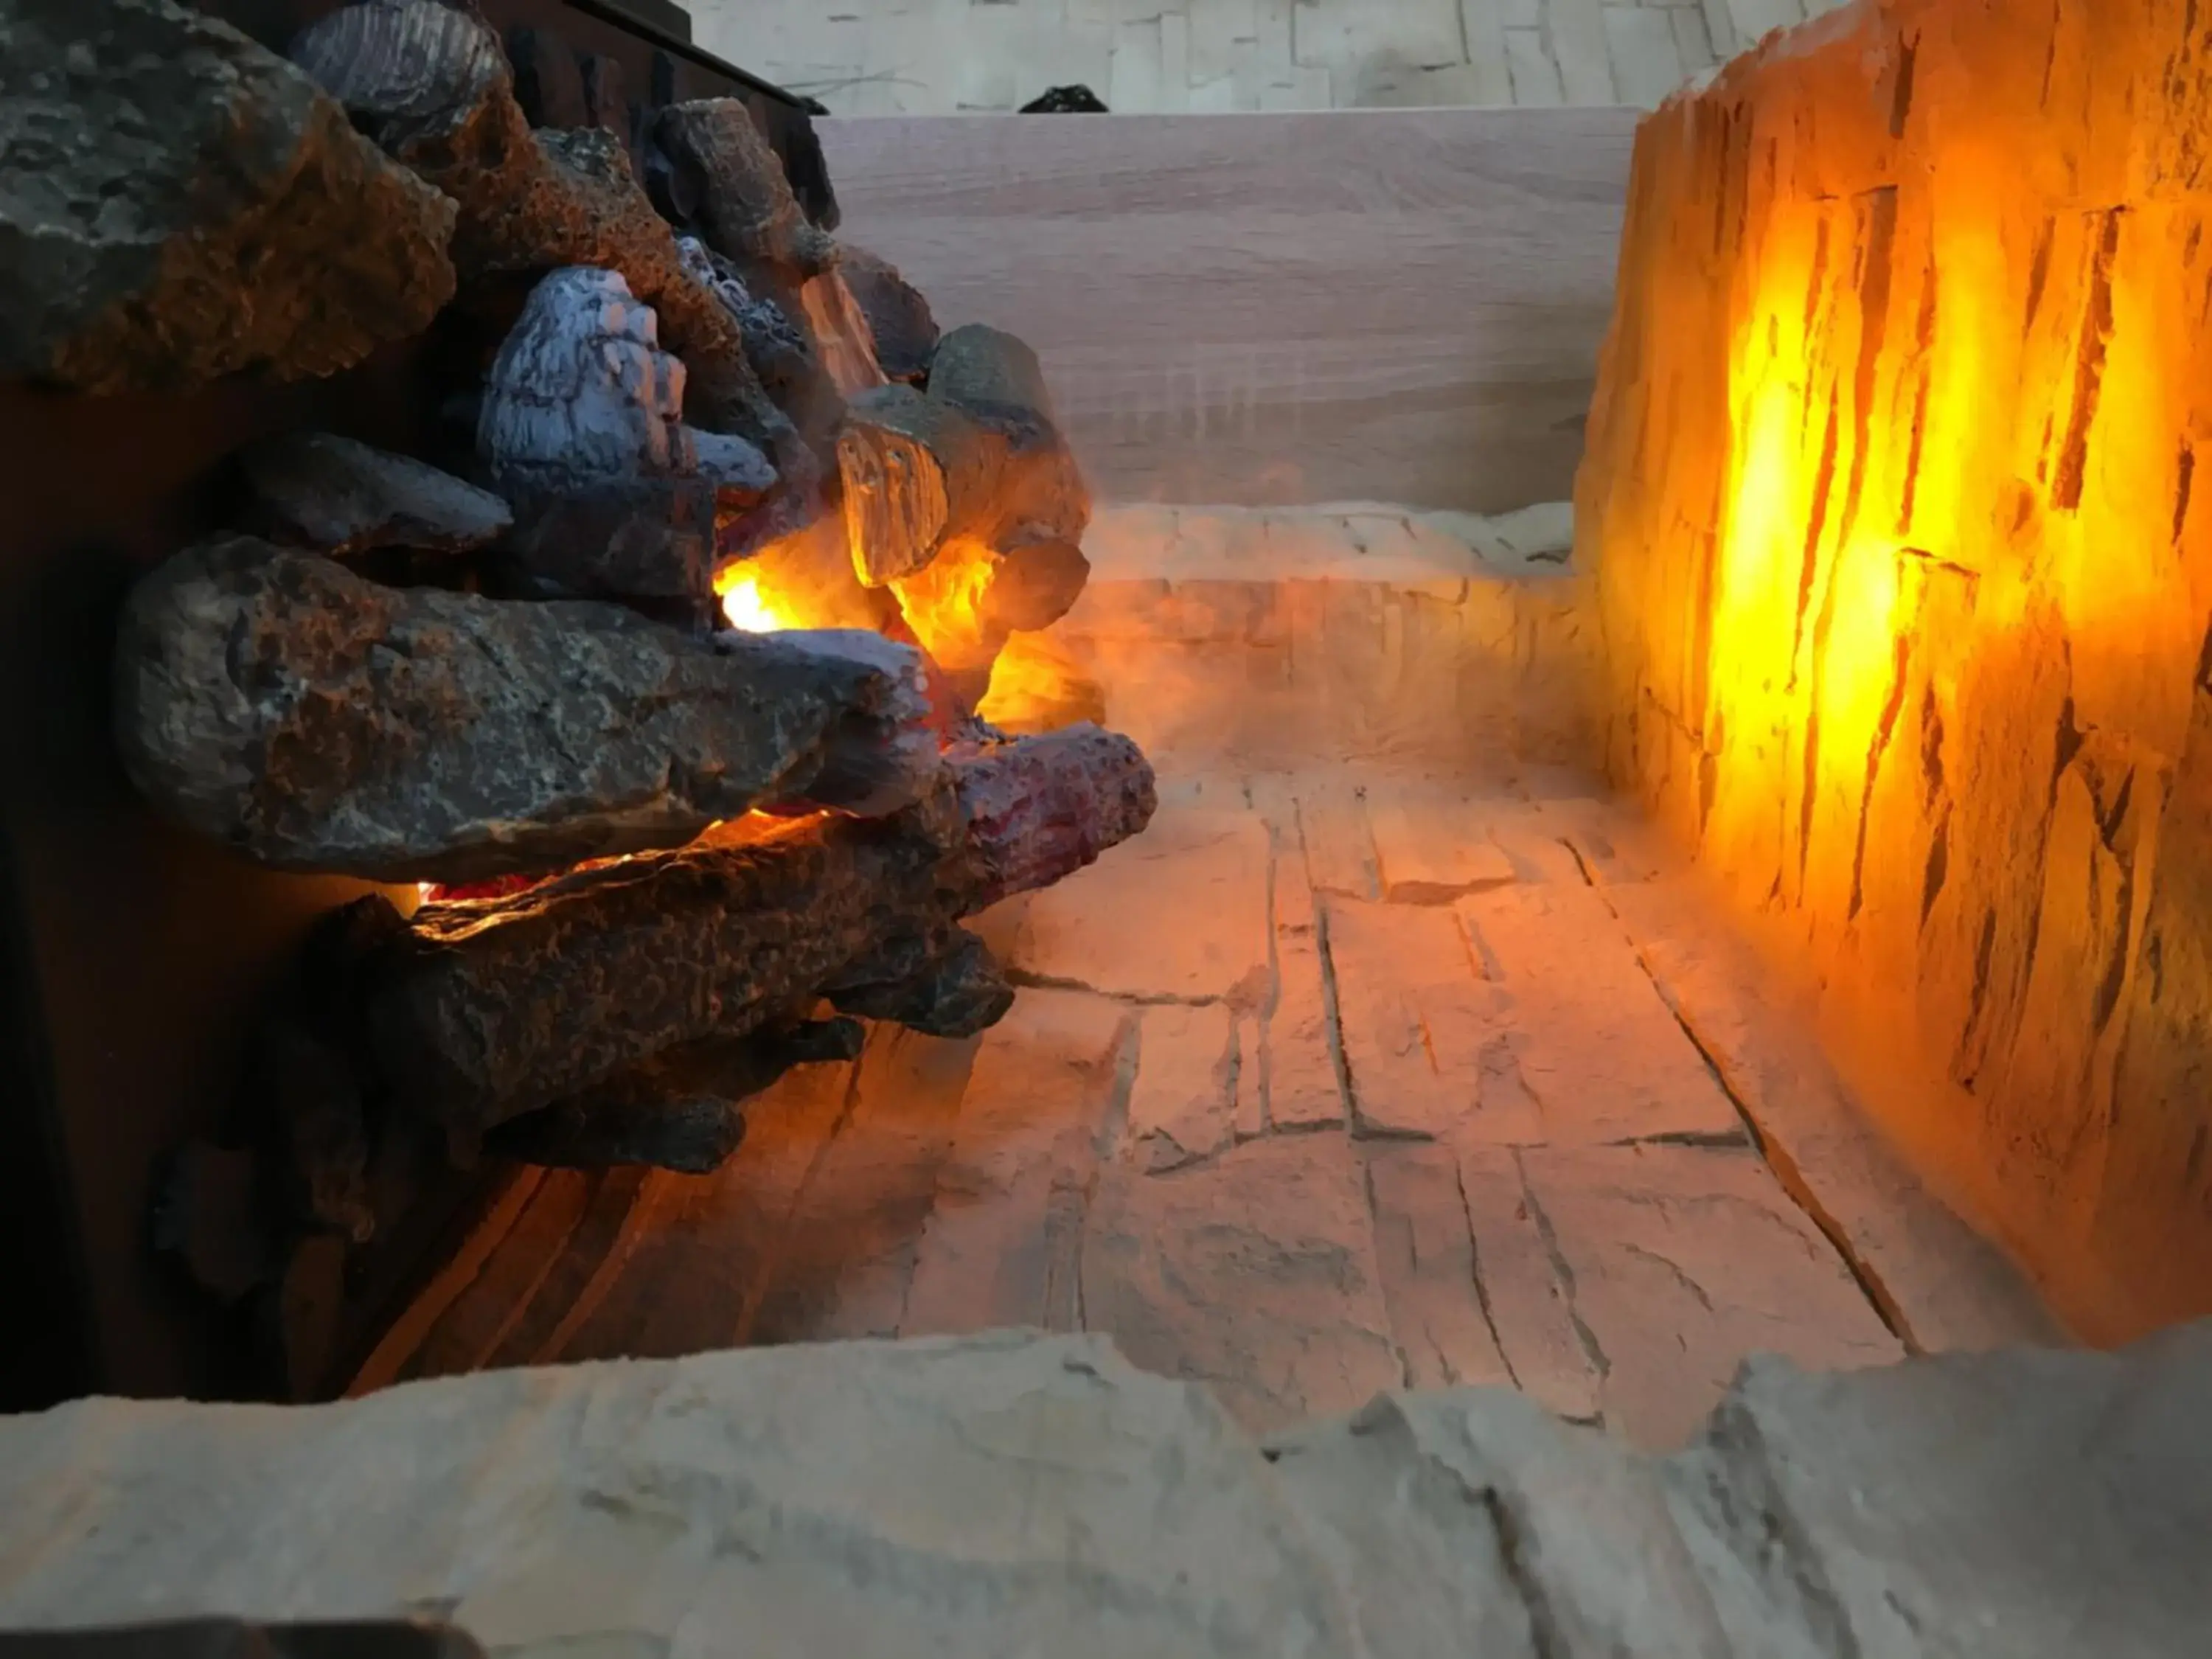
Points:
(743, 605)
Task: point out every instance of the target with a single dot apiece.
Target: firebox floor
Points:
(1324, 1085)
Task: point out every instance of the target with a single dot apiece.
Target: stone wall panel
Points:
(1892, 493)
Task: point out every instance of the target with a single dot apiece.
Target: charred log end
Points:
(1042, 808)
(960, 994)
(897, 506)
(1036, 584)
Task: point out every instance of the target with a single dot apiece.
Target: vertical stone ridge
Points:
(1885, 731)
(2092, 342)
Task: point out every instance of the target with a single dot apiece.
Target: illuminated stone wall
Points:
(1904, 558)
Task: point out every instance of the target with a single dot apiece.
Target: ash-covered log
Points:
(331, 495)
(315, 721)
(581, 428)
(429, 83)
(483, 1012)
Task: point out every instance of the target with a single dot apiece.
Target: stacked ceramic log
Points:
(666, 860)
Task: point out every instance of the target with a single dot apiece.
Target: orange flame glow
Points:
(942, 604)
(745, 605)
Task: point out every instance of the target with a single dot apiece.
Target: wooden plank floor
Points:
(1401, 305)
(1215, 57)
(1326, 1085)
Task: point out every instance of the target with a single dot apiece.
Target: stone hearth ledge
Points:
(1014, 1493)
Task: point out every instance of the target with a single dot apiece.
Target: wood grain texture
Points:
(1397, 305)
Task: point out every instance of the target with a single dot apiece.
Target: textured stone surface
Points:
(649, 542)
(2053, 1502)
(1682, 1260)
(178, 205)
(1255, 1273)
(430, 83)
(1892, 497)
(1937, 1283)
(1003, 1237)
(1427, 1045)
(1525, 1287)
(315, 721)
(1592, 1041)
(782, 354)
(331, 495)
(856, 1500)
(1183, 1104)
(1430, 851)
(1430, 1277)
(745, 208)
(1305, 1091)
(1124, 928)
(1107, 1125)
(1012, 1493)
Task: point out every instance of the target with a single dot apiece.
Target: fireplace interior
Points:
(591, 781)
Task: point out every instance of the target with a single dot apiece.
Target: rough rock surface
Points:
(581, 427)
(1008, 1494)
(746, 211)
(331, 495)
(488, 1011)
(790, 368)
(178, 205)
(1905, 565)
(315, 721)
(429, 83)
(645, 542)
(899, 319)
(581, 389)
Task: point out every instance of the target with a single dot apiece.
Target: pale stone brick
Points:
(1255, 1273)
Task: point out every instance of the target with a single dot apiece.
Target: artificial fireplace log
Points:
(786, 360)
(331, 495)
(429, 83)
(679, 1110)
(899, 319)
(1033, 585)
(977, 458)
(184, 205)
(960, 992)
(483, 1012)
(741, 199)
(645, 543)
(315, 721)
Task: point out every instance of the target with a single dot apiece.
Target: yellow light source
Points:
(745, 607)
